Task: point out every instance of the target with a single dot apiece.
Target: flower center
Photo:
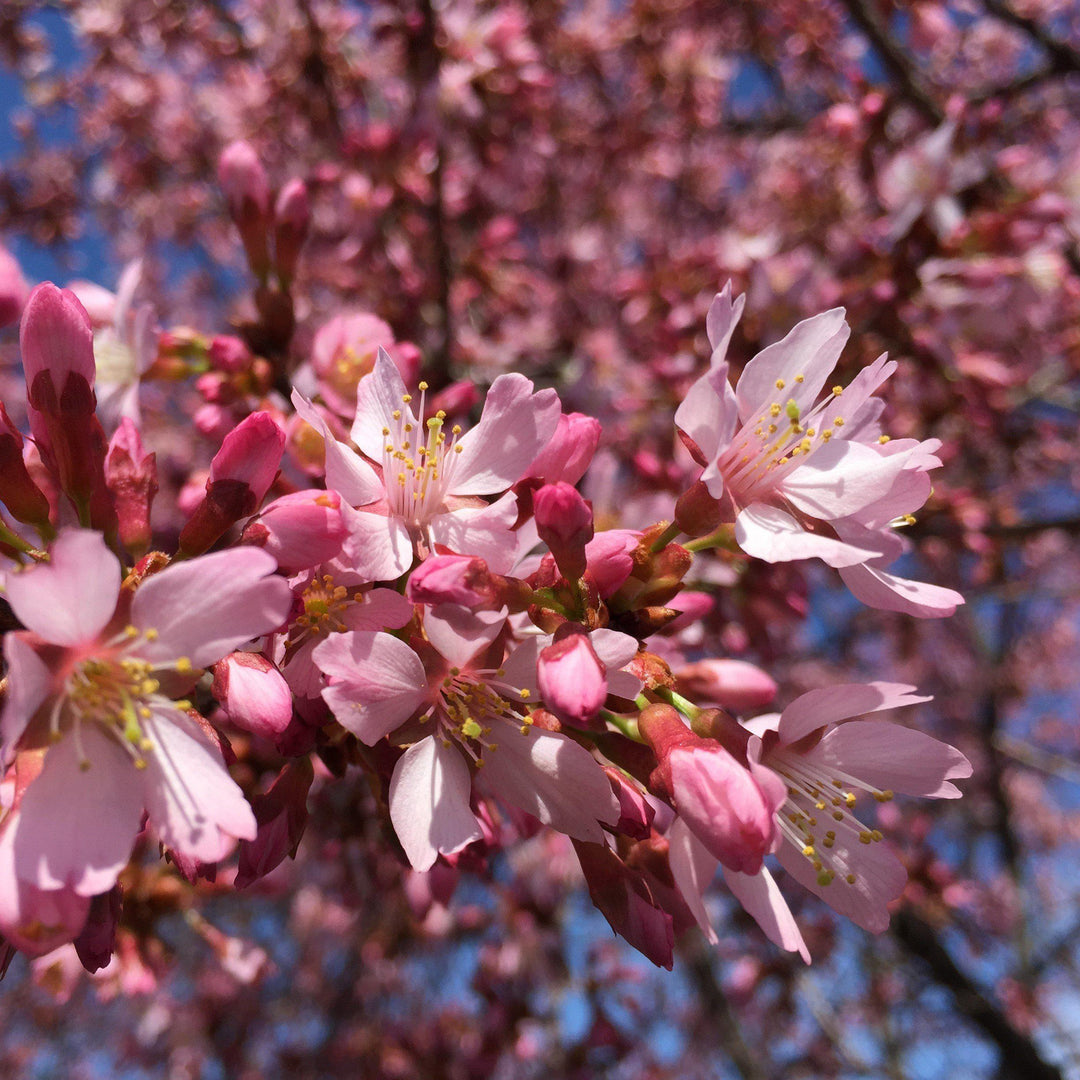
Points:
(416, 470)
(820, 795)
(471, 708)
(324, 603)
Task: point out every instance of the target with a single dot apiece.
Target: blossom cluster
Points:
(364, 575)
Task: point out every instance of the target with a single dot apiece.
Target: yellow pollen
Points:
(850, 879)
(837, 390)
(808, 851)
(780, 384)
(525, 693)
(421, 385)
(456, 429)
(800, 378)
(838, 815)
(883, 439)
(838, 422)
(140, 763)
(774, 409)
(385, 431)
(183, 665)
(827, 434)
(406, 398)
(865, 837)
(151, 634)
(131, 631)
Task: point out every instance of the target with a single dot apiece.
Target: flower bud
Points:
(228, 354)
(571, 677)
(240, 475)
(567, 455)
(131, 477)
(734, 684)
(300, 530)
(247, 194)
(292, 219)
(453, 579)
(697, 513)
(253, 693)
(564, 521)
(609, 559)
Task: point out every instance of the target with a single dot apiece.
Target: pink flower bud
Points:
(253, 693)
(229, 354)
(564, 521)
(292, 218)
(571, 677)
(608, 555)
(13, 288)
(636, 813)
(300, 530)
(451, 579)
(730, 807)
(247, 193)
(281, 815)
(131, 477)
(571, 449)
(240, 475)
(57, 344)
(734, 684)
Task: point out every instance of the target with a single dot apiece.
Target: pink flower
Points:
(118, 743)
(482, 732)
(426, 495)
(826, 760)
(807, 478)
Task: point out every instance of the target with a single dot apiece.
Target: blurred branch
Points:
(1036, 758)
(718, 1009)
(899, 64)
(1020, 1058)
(1063, 57)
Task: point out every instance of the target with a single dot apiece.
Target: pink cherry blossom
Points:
(482, 734)
(118, 743)
(427, 492)
(809, 478)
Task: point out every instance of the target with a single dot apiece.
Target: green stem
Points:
(687, 708)
(543, 598)
(627, 725)
(665, 538)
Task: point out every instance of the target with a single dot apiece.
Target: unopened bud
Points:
(564, 521)
(292, 218)
(131, 477)
(247, 194)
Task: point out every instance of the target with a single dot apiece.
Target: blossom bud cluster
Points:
(371, 574)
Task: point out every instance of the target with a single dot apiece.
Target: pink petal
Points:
(761, 897)
(69, 599)
(839, 478)
(75, 827)
(378, 609)
(36, 921)
(482, 531)
(459, 634)
(346, 472)
(29, 683)
(378, 547)
(767, 532)
(721, 321)
(879, 878)
(811, 350)
(709, 413)
(519, 668)
(378, 395)
(616, 650)
(832, 704)
(205, 608)
(895, 757)
(554, 779)
(693, 868)
(194, 805)
(515, 426)
(886, 592)
(380, 682)
(429, 802)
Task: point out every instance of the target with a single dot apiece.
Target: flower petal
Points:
(895, 757)
(839, 478)
(515, 426)
(485, 532)
(886, 592)
(459, 634)
(709, 413)
(760, 896)
(693, 868)
(70, 599)
(205, 608)
(377, 547)
(194, 805)
(554, 779)
(378, 395)
(379, 682)
(832, 704)
(29, 683)
(810, 349)
(767, 532)
(429, 802)
(75, 826)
